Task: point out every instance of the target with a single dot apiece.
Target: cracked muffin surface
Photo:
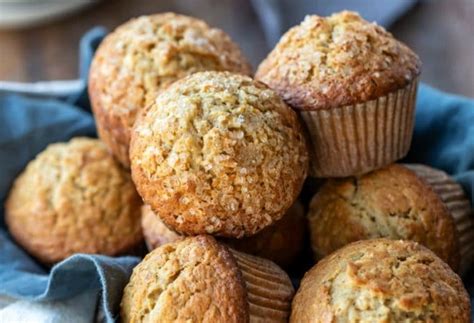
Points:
(197, 279)
(74, 198)
(338, 60)
(218, 153)
(391, 202)
(193, 280)
(381, 281)
(144, 56)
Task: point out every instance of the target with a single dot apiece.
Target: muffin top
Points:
(74, 197)
(218, 153)
(193, 280)
(338, 60)
(381, 281)
(391, 202)
(145, 55)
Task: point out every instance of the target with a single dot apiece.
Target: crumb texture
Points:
(338, 60)
(392, 203)
(74, 198)
(219, 153)
(381, 281)
(192, 280)
(144, 56)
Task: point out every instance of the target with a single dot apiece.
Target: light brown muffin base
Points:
(355, 139)
(452, 194)
(269, 289)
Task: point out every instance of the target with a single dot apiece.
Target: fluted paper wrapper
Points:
(356, 139)
(459, 206)
(269, 289)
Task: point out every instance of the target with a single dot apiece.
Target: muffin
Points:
(391, 203)
(354, 86)
(218, 153)
(381, 281)
(144, 56)
(74, 198)
(453, 196)
(281, 242)
(199, 280)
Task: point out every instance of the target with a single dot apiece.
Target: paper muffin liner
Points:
(454, 198)
(269, 289)
(355, 139)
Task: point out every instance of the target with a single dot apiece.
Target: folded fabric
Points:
(443, 138)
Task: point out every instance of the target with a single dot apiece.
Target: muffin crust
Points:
(339, 60)
(74, 197)
(197, 279)
(391, 202)
(218, 153)
(381, 281)
(144, 56)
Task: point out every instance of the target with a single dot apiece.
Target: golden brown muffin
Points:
(453, 196)
(144, 56)
(391, 203)
(74, 198)
(281, 242)
(199, 280)
(218, 153)
(381, 281)
(354, 85)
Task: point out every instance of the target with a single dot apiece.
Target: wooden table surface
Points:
(441, 32)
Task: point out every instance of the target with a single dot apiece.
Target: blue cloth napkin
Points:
(443, 138)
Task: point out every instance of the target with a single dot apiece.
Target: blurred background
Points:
(39, 39)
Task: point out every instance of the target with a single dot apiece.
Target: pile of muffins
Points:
(206, 164)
